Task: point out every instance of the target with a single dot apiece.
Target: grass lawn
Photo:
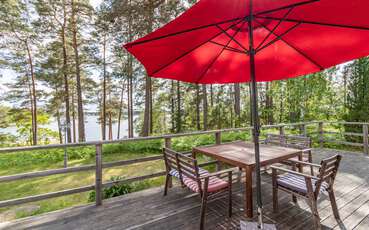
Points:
(35, 186)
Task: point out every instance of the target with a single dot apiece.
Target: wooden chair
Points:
(308, 186)
(198, 180)
(298, 142)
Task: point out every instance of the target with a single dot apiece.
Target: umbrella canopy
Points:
(255, 40)
(291, 38)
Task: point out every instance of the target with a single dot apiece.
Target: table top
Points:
(242, 154)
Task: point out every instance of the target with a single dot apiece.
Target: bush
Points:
(113, 191)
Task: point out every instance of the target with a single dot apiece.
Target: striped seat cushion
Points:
(215, 184)
(297, 183)
(175, 173)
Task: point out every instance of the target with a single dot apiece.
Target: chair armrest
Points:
(294, 172)
(306, 150)
(225, 171)
(304, 163)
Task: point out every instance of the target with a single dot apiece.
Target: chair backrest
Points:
(275, 139)
(328, 171)
(186, 166)
(299, 142)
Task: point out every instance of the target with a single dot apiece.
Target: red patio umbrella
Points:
(229, 41)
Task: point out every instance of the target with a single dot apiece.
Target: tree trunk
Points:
(172, 107)
(110, 126)
(151, 111)
(74, 119)
(269, 103)
(179, 119)
(211, 96)
(205, 107)
(198, 126)
(103, 118)
(65, 74)
(31, 109)
(120, 110)
(146, 123)
(81, 120)
(33, 96)
(237, 103)
(59, 127)
(281, 104)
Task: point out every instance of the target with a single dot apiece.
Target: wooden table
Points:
(242, 155)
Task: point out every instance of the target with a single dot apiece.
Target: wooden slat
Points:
(364, 224)
(134, 179)
(46, 173)
(45, 196)
(74, 169)
(133, 161)
(343, 142)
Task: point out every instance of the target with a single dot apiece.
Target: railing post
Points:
(281, 130)
(303, 130)
(218, 141)
(321, 133)
(365, 139)
(168, 142)
(98, 175)
(218, 138)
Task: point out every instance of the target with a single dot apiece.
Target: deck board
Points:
(180, 209)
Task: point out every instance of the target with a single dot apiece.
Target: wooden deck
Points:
(180, 209)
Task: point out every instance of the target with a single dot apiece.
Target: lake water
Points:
(92, 127)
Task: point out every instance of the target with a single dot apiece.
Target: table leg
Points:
(300, 165)
(248, 193)
(193, 154)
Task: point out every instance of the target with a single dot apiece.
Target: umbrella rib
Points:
(229, 48)
(129, 45)
(232, 38)
(286, 7)
(279, 37)
(216, 58)
(317, 23)
(275, 27)
(295, 48)
(189, 51)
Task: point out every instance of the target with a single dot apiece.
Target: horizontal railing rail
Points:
(99, 165)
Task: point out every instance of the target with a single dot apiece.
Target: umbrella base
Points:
(254, 226)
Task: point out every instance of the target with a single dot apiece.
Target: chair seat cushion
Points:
(297, 183)
(175, 173)
(215, 184)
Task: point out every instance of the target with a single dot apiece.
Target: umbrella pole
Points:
(255, 118)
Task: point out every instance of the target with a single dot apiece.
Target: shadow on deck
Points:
(180, 209)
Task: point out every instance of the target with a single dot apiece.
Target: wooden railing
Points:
(99, 165)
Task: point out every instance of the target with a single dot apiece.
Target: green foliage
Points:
(357, 102)
(151, 146)
(120, 189)
(113, 191)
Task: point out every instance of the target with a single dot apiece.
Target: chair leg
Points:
(275, 191)
(204, 204)
(230, 194)
(314, 210)
(167, 180)
(334, 204)
(311, 161)
(294, 199)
